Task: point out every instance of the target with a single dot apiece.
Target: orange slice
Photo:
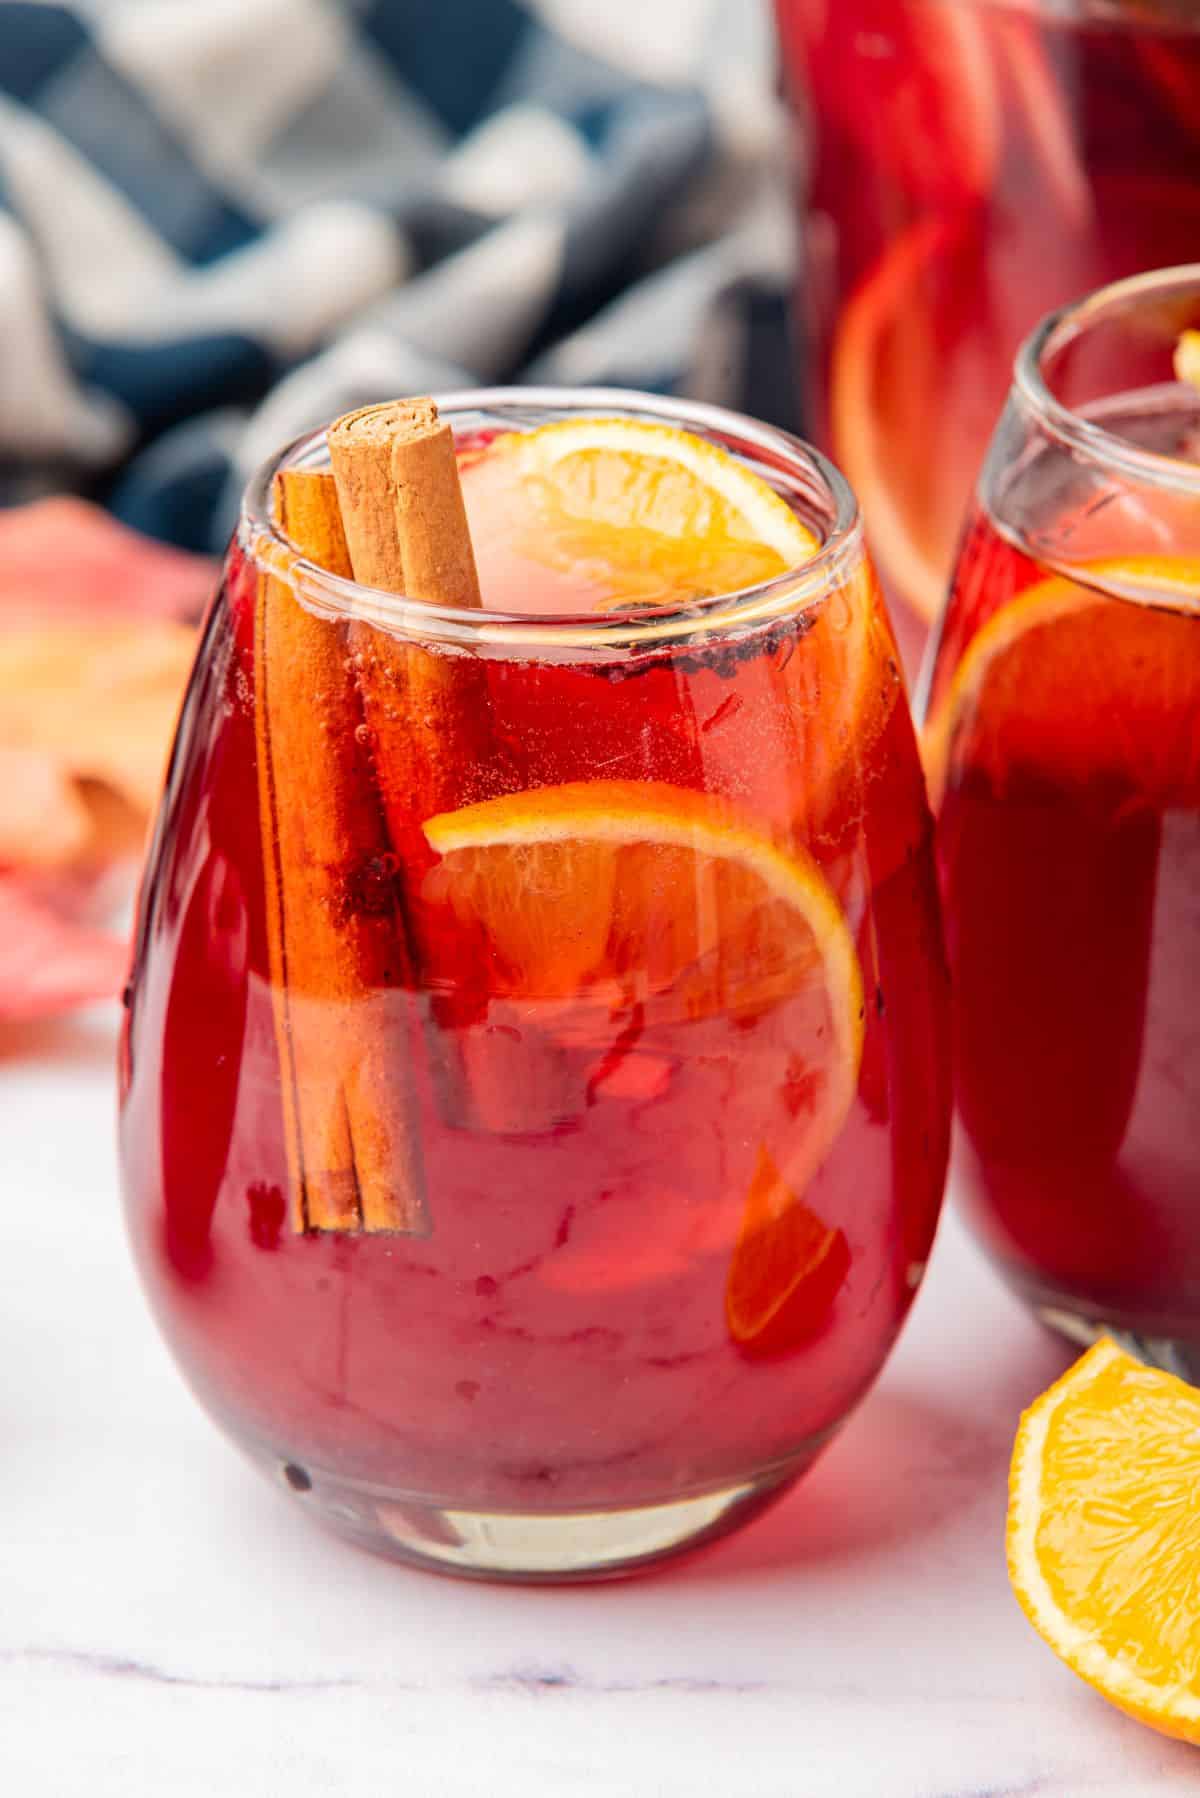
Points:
(786, 1270)
(887, 366)
(591, 513)
(1102, 1534)
(642, 892)
(1082, 685)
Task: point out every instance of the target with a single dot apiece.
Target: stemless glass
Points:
(970, 164)
(1063, 745)
(659, 1002)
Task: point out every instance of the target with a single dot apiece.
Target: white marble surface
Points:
(169, 1624)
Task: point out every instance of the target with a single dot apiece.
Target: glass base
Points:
(1173, 1354)
(1159, 1341)
(531, 1547)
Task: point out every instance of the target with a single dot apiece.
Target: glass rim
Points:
(1073, 428)
(630, 628)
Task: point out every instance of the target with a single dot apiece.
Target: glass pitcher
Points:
(968, 166)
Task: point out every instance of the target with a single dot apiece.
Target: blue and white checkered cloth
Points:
(224, 221)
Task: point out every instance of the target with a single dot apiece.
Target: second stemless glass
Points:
(659, 1001)
(971, 164)
(1063, 743)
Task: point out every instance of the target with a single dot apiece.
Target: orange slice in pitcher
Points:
(786, 1270)
(578, 516)
(1086, 687)
(888, 367)
(639, 891)
(1102, 1533)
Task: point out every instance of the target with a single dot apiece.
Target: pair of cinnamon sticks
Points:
(352, 727)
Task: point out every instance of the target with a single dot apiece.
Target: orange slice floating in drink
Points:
(1102, 1533)
(649, 889)
(580, 516)
(1082, 685)
(786, 1270)
(629, 892)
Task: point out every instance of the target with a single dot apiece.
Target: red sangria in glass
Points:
(1063, 744)
(535, 1090)
(970, 164)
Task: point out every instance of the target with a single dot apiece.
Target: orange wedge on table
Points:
(1103, 1540)
(596, 512)
(1071, 681)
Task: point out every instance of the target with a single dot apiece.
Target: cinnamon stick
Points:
(338, 953)
(433, 748)
(406, 528)
(401, 500)
(428, 711)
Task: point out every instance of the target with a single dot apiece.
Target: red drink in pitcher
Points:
(972, 163)
(541, 1195)
(1064, 752)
